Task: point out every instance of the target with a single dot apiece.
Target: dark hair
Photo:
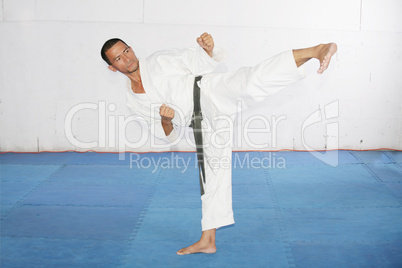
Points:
(108, 44)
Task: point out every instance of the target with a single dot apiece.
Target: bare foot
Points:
(198, 247)
(324, 54)
(205, 245)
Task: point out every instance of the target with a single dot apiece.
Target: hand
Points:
(166, 113)
(206, 42)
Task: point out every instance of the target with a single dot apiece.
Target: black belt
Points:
(196, 125)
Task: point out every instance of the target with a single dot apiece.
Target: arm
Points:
(167, 114)
(207, 43)
(198, 61)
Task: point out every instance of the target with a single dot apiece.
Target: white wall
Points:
(50, 63)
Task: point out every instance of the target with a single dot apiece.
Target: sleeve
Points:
(199, 62)
(156, 130)
(185, 61)
(173, 136)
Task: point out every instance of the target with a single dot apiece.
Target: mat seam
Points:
(34, 190)
(141, 218)
(372, 173)
(221, 240)
(72, 205)
(397, 164)
(279, 219)
(62, 238)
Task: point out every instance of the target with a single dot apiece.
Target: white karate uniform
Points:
(168, 77)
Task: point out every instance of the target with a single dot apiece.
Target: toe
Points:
(321, 70)
(183, 251)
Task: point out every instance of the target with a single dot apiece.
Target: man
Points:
(166, 79)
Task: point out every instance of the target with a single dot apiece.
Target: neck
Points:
(135, 77)
(136, 83)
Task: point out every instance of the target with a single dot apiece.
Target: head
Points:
(119, 56)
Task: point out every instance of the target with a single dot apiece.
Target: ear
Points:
(112, 68)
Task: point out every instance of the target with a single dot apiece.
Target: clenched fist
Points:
(166, 113)
(206, 42)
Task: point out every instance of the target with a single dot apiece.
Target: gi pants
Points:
(220, 94)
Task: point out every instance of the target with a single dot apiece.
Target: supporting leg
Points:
(205, 245)
(322, 52)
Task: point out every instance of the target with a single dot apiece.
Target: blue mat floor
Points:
(291, 210)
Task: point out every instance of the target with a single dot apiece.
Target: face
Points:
(122, 59)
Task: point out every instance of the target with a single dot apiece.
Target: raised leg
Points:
(322, 52)
(205, 245)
